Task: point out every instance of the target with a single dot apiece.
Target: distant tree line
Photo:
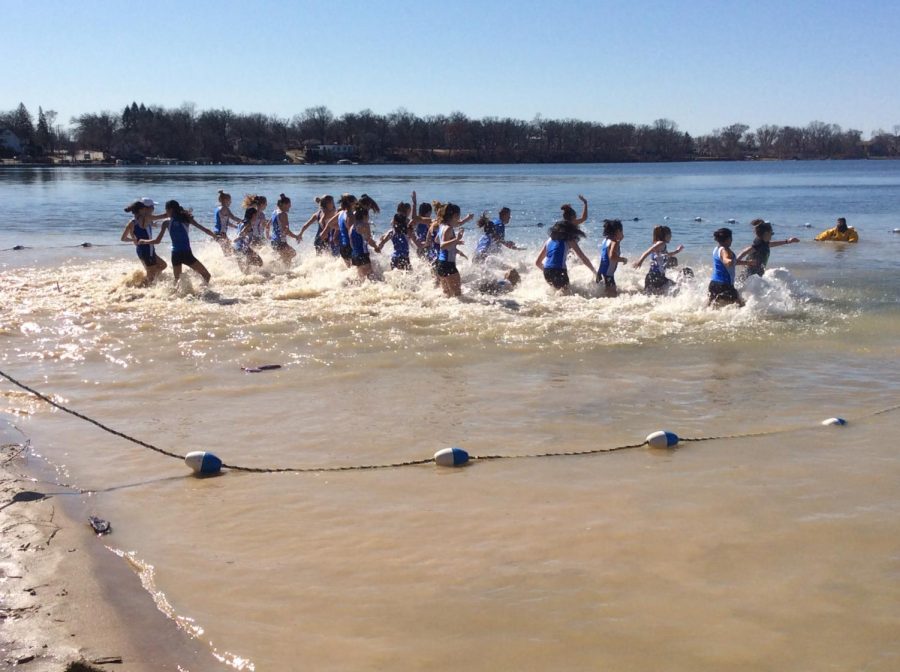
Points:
(140, 132)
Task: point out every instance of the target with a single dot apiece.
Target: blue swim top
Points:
(722, 272)
(500, 229)
(606, 268)
(401, 245)
(358, 244)
(276, 235)
(486, 245)
(556, 254)
(178, 231)
(220, 227)
(421, 232)
(342, 228)
(658, 261)
(447, 254)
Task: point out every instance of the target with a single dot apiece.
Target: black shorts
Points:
(279, 245)
(607, 280)
(401, 263)
(346, 252)
(361, 260)
(147, 254)
(186, 258)
(320, 245)
(656, 283)
(445, 268)
(558, 278)
(719, 292)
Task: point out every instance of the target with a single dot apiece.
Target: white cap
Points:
(149, 202)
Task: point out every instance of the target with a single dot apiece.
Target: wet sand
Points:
(65, 598)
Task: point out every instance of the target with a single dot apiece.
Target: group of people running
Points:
(435, 230)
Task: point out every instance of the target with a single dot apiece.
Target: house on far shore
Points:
(336, 151)
(9, 142)
(89, 155)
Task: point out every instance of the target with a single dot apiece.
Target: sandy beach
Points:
(66, 601)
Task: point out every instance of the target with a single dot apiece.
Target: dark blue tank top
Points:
(421, 232)
(358, 244)
(401, 245)
(219, 227)
(556, 255)
(721, 272)
(342, 229)
(178, 231)
(604, 258)
(275, 234)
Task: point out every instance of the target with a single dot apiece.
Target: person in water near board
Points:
(323, 214)
(613, 233)
(448, 239)
(246, 257)
(178, 224)
(502, 286)
(840, 233)
(661, 259)
(564, 237)
(399, 235)
(360, 239)
(756, 257)
(139, 228)
(280, 230)
(722, 291)
(223, 219)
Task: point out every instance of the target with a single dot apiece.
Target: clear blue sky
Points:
(703, 64)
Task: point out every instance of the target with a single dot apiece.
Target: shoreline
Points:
(68, 602)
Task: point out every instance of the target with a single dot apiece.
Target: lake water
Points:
(775, 552)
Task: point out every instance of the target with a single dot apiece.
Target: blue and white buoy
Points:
(662, 440)
(203, 463)
(834, 421)
(451, 457)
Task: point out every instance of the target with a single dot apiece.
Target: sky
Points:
(702, 64)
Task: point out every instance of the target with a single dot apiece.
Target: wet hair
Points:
(249, 201)
(425, 210)
(568, 212)
(512, 277)
(404, 208)
(842, 224)
(400, 224)
(566, 230)
(761, 228)
(282, 200)
(445, 211)
(368, 203)
(360, 213)
(660, 233)
(324, 198)
(504, 209)
(249, 213)
(611, 227)
(223, 195)
(486, 223)
(346, 201)
(722, 235)
(178, 212)
(757, 222)
(135, 207)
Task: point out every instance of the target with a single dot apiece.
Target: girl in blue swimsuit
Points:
(139, 228)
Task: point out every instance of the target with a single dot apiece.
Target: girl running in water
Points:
(280, 230)
(258, 232)
(421, 223)
(323, 214)
(564, 237)
(493, 237)
(178, 224)
(140, 227)
(246, 257)
(447, 238)
(722, 291)
(399, 235)
(613, 233)
(757, 255)
(360, 239)
(224, 219)
(343, 220)
(656, 281)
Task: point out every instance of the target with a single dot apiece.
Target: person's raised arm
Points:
(468, 218)
(786, 241)
(584, 211)
(581, 255)
(539, 262)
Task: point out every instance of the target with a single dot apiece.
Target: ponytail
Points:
(283, 200)
(135, 207)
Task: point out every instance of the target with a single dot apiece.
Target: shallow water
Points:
(776, 552)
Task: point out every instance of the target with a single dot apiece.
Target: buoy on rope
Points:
(662, 440)
(834, 421)
(731, 221)
(451, 457)
(698, 219)
(203, 463)
(896, 230)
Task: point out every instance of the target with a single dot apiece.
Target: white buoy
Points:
(807, 226)
(698, 219)
(834, 421)
(896, 230)
(662, 439)
(731, 221)
(666, 217)
(202, 462)
(451, 457)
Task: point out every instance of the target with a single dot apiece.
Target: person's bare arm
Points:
(162, 230)
(128, 233)
(539, 262)
(581, 255)
(584, 211)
